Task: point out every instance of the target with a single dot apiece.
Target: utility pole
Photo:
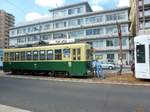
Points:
(120, 45)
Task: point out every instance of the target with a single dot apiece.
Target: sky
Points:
(29, 10)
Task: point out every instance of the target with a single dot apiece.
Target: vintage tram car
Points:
(72, 59)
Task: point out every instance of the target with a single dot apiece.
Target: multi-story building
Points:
(6, 22)
(140, 16)
(79, 22)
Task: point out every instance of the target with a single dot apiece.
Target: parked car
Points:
(107, 65)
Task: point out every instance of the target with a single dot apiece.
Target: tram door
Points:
(76, 54)
(76, 57)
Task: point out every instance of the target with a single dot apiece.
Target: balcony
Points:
(147, 25)
(146, 13)
(112, 48)
(145, 2)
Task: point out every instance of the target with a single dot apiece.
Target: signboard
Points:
(56, 41)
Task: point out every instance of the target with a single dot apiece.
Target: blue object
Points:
(99, 70)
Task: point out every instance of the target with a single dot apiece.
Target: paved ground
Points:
(5, 108)
(55, 96)
(111, 78)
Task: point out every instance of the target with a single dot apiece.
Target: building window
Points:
(21, 39)
(77, 10)
(90, 20)
(76, 34)
(98, 57)
(60, 14)
(123, 56)
(109, 43)
(115, 16)
(47, 26)
(124, 42)
(124, 28)
(95, 19)
(115, 41)
(72, 22)
(24, 31)
(95, 31)
(35, 38)
(46, 36)
(111, 30)
(60, 24)
(89, 32)
(121, 16)
(35, 28)
(60, 35)
(98, 44)
(110, 57)
(71, 11)
(29, 29)
(80, 21)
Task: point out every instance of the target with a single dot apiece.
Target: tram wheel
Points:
(67, 74)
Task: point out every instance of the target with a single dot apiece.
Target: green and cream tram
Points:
(72, 59)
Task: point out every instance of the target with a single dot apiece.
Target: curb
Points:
(90, 81)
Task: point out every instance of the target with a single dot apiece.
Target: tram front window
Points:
(140, 53)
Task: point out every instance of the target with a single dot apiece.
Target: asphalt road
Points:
(53, 96)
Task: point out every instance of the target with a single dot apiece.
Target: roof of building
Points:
(47, 19)
(71, 5)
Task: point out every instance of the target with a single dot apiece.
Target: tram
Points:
(73, 59)
(142, 56)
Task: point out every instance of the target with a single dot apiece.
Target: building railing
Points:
(73, 27)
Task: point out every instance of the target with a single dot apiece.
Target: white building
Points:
(140, 14)
(78, 21)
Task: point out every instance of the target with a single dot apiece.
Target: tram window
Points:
(28, 55)
(49, 55)
(88, 54)
(58, 54)
(78, 54)
(11, 56)
(42, 55)
(17, 56)
(140, 53)
(35, 55)
(74, 54)
(6, 56)
(23, 55)
(66, 53)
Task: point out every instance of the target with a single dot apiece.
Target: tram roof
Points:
(51, 46)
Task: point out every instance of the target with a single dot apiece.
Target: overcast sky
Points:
(27, 10)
